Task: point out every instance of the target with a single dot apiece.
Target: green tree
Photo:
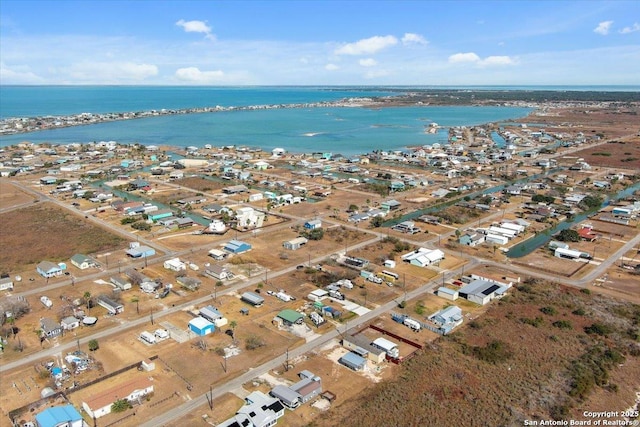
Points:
(569, 235)
(120, 405)
(376, 222)
(93, 345)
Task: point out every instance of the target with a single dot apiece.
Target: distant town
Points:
(146, 285)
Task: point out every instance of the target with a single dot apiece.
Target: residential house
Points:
(133, 390)
(112, 306)
(69, 323)
(289, 317)
(362, 346)
(59, 416)
(390, 205)
(6, 284)
(471, 239)
(190, 283)
(218, 272)
(260, 411)
(120, 283)
(50, 328)
(48, 269)
(174, 264)
(82, 261)
(313, 224)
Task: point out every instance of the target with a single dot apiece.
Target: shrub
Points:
(598, 329)
(549, 311)
(562, 324)
(533, 322)
(495, 352)
(579, 311)
(253, 342)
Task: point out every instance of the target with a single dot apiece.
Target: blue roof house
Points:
(49, 269)
(201, 326)
(313, 224)
(57, 416)
(237, 247)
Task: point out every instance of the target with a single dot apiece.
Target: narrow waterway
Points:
(541, 239)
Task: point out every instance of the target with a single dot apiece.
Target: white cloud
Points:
(196, 27)
(464, 57)
(497, 60)
(109, 72)
(632, 29)
(412, 38)
(194, 75)
(369, 62)
(367, 46)
(603, 28)
(473, 58)
(18, 75)
(375, 74)
(331, 67)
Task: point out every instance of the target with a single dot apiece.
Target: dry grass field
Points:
(45, 231)
(11, 195)
(528, 357)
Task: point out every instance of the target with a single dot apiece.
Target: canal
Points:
(541, 239)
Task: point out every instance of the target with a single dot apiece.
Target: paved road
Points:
(191, 405)
(157, 316)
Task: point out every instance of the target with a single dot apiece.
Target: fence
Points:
(112, 374)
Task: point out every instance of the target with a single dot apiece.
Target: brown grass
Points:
(445, 384)
(44, 231)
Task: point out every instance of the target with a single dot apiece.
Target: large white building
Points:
(249, 217)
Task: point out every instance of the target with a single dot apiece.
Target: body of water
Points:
(345, 130)
(541, 239)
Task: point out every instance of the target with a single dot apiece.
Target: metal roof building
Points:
(252, 298)
(353, 361)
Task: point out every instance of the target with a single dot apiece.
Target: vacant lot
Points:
(11, 195)
(622, 154)
(46, 232)
(538, 354)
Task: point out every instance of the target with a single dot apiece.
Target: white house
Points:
(134, 390)
(249, 217)
(423, 257)
(174, 264)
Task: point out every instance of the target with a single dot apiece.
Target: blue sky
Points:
(307, 42)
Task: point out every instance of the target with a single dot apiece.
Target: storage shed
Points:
(210, 313)
(201, 326)
(352, 361)
(295, 244)
(446, 293)
(237, 247)
(252, 298)
(141, 252)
